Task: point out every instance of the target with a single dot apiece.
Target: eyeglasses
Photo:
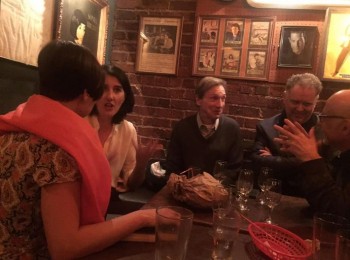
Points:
(322, 117)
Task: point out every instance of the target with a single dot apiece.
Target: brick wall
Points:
(162, 100)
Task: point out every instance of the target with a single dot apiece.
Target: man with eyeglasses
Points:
(326, 189)
(299, 99)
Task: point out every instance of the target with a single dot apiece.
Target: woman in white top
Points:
(117, 135)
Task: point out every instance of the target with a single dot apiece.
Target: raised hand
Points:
(294, 139)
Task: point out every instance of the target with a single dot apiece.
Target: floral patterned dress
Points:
(27, 163)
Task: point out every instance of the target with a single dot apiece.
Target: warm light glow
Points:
(299, 4)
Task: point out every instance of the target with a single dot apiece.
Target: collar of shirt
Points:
(207, 130)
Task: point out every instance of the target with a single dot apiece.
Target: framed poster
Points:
(234, 30)
(207, 60)
(231, 59)
(158, 44)
(84, 22)
(25, 28)
(256, 63)
(209, 31)
(297, 46)
(336, 54)
(259, 33)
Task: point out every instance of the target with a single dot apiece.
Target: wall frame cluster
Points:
(233, 47)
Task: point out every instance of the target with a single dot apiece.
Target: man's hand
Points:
(294, 139)
(265, 152)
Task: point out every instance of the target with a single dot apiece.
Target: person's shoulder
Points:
(226, 120)
(271, 120)
(187, 120)
(125, 126)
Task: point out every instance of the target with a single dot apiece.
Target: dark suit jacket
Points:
(285, 166)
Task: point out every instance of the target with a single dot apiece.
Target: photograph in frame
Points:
(209, 31)
(297, 46)
(158, 45)
(84, 22)
(231, 61)
(259, 34)
(336, 60)
(256, 63)
(234, 30)
(207, 59)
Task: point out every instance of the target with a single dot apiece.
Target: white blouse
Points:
(120, 149)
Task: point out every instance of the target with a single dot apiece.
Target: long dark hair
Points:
(128, 104)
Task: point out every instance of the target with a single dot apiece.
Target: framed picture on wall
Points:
(207, 59)
(234, 30)
(209, 31)
(256, 63)
(158, 44)
(231, 59)
(336, 60)
(297, 46)
(84, 22)
(259, 33)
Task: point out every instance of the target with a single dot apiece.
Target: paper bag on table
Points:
(198, 191)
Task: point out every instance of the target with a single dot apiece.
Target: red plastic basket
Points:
(277, 242)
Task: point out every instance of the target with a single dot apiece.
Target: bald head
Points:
(338, 104)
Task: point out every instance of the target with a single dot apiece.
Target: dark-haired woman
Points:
(117, 135)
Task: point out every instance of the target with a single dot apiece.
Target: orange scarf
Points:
(54, 122)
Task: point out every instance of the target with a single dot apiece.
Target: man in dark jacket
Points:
(300, 98)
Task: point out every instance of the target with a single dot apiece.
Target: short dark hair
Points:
(207, 83)
(66, 69)
(78, 17)
(128, 104)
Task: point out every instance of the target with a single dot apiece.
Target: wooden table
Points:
(287, 214)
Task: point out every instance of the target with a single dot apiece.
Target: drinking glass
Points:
(273, 196)
(264, 175)
(173, 229)
(226, 224)
(219, 170)
(244, 185)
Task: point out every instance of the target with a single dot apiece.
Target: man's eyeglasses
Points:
(322, 117)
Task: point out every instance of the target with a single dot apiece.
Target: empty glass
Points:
(244, 186)
(263, 181)
(219, 170)
(273, 196)
(226, 224)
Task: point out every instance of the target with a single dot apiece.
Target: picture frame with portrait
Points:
(296, 48)
(84, 22)
(256, 63)
(209, 31)
(158, 44)
(230, 62)
(207, 59)
(259, 36)
(234, 32)
(335, 62)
